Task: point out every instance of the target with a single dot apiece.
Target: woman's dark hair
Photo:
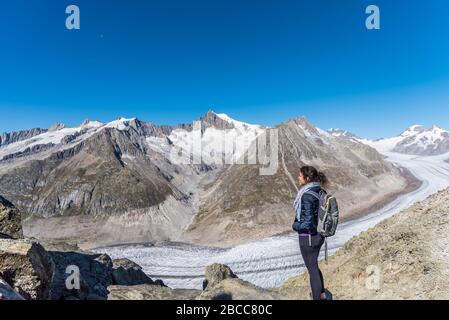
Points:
(311, 174)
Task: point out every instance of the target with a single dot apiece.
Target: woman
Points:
(306, 206)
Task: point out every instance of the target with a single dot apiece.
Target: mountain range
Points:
(416, 140)
(118, 182)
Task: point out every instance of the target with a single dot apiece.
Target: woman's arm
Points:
(308, 206)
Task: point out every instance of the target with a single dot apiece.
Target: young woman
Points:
(310, 241)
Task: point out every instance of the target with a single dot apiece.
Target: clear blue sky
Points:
(169, 61)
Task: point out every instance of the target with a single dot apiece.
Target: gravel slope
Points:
(409, 252)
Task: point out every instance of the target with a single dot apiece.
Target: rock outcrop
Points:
(95, 272)
(12, 137)
(150, 292)
(26, 267)
(128, 273)
(216, 273)
(237, 289)
(220, 284)
(29, 270)
(10, 220)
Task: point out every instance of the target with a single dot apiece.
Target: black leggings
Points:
(310, 250)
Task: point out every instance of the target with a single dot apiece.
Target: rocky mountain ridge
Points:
(117, 182)
(12, 137)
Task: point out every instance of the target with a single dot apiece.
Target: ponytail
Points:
(311, 174)
(322, 179)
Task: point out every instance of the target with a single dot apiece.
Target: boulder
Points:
(10, 220)
(216, 273)
(150, 292)
(237, 289)
(127, 273)
(26, 267)
(95, 272)
(8, 293)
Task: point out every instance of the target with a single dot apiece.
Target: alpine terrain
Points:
(129, 181)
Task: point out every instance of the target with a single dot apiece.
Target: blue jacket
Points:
(309, 213)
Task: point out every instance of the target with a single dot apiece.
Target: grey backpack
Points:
(328, 215)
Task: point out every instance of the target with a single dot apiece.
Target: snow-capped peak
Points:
(121, 123)
(236, 123)
(417, 140)
(340, 133)
(438, 130)
(220, 136)
(417, 128)
(56, 127)
(58, 132)
(336, 132)
(87, 124)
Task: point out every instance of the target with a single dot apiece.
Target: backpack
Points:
(328, 215)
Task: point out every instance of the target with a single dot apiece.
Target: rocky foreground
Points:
(404, 257)
(409, 252)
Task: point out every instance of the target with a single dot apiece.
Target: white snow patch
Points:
(238, 124)
(55, 137)
(213, 145)
(120, 124)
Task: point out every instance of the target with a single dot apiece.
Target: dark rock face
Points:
(71, 137)
(211, 119)
(11, 137)
(26, 267)
(36, 274)
(28, 151)
(10, 220)
(95, 275)
(127, 273)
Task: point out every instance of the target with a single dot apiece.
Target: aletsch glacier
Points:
(269, 262)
